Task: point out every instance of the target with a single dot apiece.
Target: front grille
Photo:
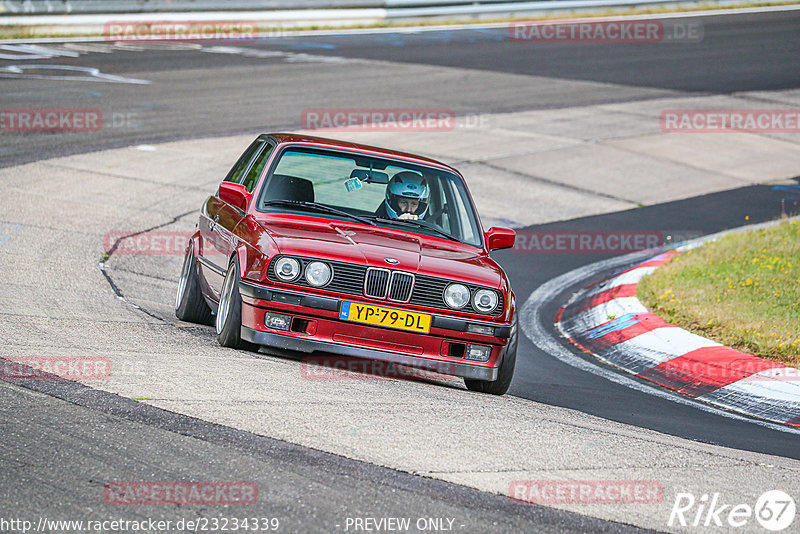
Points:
(376, 283)
(401, 286)
(347, 278)
(429, 291)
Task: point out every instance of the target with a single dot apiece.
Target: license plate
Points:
(388, 317)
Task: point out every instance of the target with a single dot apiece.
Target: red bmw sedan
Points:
(315, 245)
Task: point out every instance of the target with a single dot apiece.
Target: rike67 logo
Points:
(774, 510)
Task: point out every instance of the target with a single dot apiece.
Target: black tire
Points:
(504, 374)
(190, 305)
(229, 313)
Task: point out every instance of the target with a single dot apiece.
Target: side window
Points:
(468, 230)
(235, 174)
(257, 168)
(436, 209)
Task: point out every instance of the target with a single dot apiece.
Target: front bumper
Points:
(281, 341)
(328, 334)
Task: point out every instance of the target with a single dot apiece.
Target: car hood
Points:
(372, 246)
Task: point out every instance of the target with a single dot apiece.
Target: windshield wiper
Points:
(418, 223)
(314, 206)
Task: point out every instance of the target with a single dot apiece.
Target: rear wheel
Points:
(504, 374)
(189, 302)
(229, 312)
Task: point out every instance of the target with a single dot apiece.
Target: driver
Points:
(407, 196)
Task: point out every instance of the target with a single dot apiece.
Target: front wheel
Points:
(229, 312)
(504, 374)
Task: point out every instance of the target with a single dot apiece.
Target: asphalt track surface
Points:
(737, 53)
(70, 432)
(747, 52)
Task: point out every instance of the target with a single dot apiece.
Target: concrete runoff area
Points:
(545, 169)
(585, 160)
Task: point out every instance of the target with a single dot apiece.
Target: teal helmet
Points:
(407, 184)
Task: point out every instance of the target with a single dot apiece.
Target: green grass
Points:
(18, 32)
(742, 290)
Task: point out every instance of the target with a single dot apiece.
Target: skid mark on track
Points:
(110, 252)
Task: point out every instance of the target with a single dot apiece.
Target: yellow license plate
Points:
(391, 318)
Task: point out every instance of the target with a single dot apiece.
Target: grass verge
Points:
(742, 290)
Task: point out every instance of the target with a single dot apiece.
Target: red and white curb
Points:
(608, 320)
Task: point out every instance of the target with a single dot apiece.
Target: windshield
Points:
(388, 193)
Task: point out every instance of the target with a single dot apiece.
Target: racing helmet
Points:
(407, 184)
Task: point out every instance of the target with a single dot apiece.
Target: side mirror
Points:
(499, 238)
(234, 194)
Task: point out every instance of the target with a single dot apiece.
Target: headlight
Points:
(484, 300)
(456, 296)
(287, 269)
(317, 273)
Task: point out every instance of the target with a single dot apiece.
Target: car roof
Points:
(289, 138)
